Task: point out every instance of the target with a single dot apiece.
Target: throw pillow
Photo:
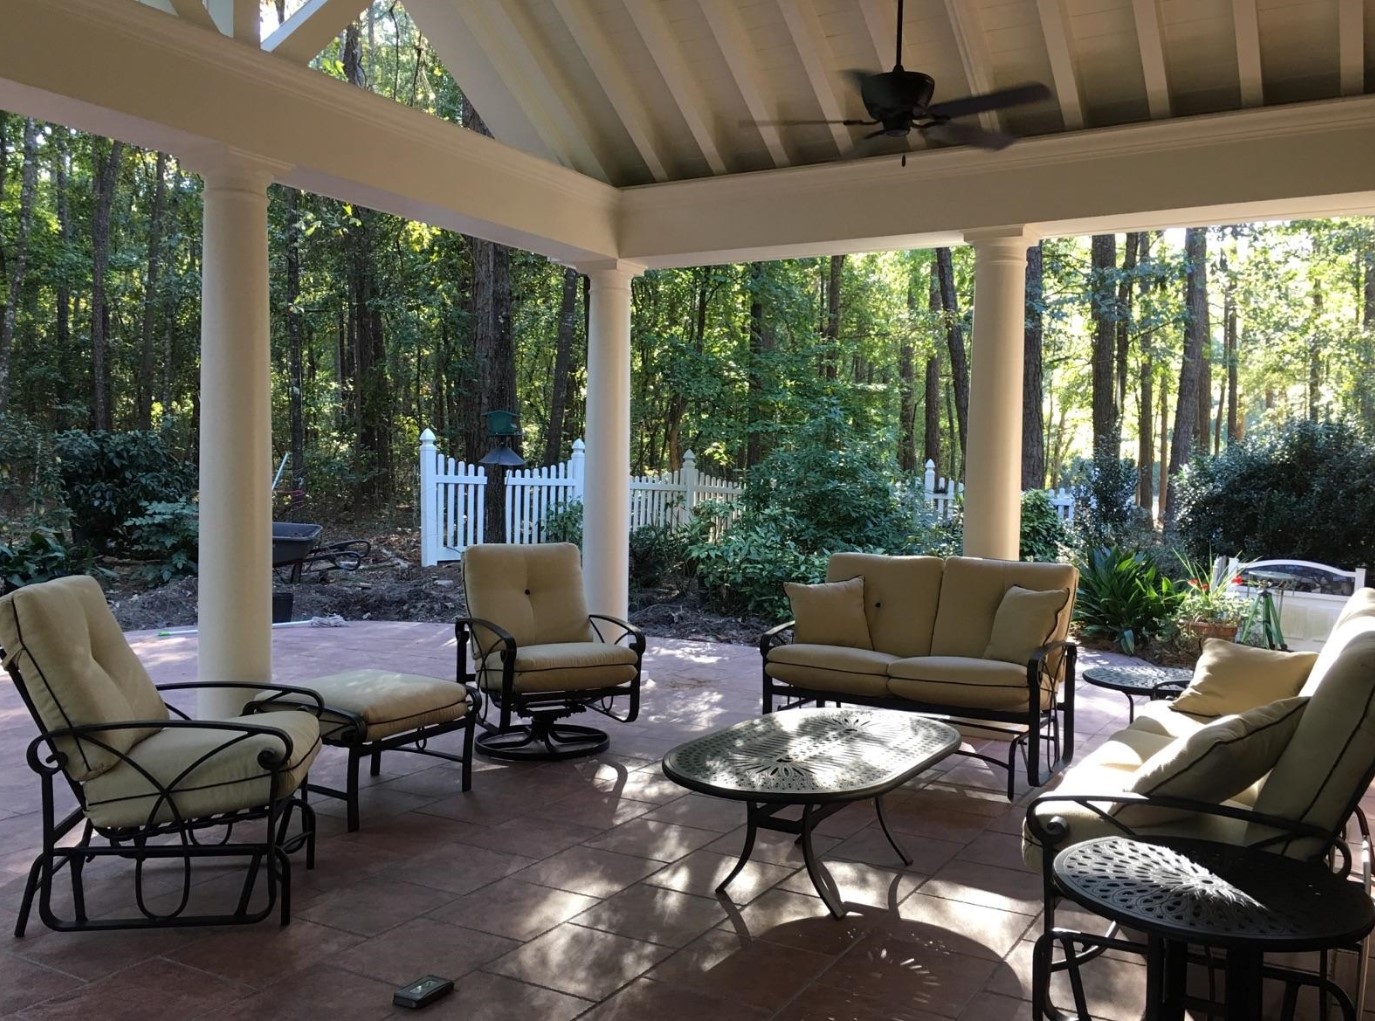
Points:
(1231, 678)
(1217, 761)
(831, 613)
(1024, 622)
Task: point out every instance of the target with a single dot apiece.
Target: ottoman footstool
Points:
(369, 712)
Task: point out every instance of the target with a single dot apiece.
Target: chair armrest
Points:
(1036, 666)
(89, 732)
(283, 689)
(636, 636)
(775, 636)
(504, 638)
(465, 624)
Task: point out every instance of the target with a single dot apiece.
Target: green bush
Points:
(657, 554)
(1043, 533)
(564, 524)
(42, 556)
(1304, 491)
(111, 478)
(1105, 511)
(1124, 598)
(168, 535)
(744, 570)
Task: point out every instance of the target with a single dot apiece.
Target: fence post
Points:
(928, 480)
(576, 467)
(429, 502)
(690, 484)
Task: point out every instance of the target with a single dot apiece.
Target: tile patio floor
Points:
(573, 890)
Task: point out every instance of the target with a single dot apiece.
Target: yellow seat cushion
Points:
(831, 668)
(563, 666)
(388, 703)
(1160, 717)
(963, 682)
(230, 777)
(831, 613)
(1231, 678)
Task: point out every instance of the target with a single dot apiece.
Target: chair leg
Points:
(352, 790)
(375, 768)
(468, 751)
(25, 905)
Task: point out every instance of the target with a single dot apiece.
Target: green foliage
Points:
(565, 524)
(744, 571)
(1302, 491)
(167, 534)
(1044, 535)
(1104, 501)
(41, 557)
(1123, 598)
(657, 553)
(30, 488)
(111, 478)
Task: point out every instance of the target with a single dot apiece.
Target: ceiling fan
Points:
(900, 101)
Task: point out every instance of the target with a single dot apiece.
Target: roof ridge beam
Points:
(729, 32)
(805, 30)
(1055, 29)
(1148, 38)
(304, 35)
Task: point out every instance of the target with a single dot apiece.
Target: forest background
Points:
(827, 379)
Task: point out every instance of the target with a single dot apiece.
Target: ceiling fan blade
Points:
(968, 134)
(848, 122)
(1018, 95)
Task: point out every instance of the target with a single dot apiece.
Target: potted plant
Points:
(1208, 610)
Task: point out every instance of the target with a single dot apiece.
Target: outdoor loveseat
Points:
(983, 641)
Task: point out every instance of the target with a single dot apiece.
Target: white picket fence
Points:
(452, 495)
(943, 496)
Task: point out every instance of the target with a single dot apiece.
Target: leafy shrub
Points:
(30, 487)
(657, 553)
(111, 478)
(1105, 504)
(1124, 598)
(564, 524)
(1305, 490)
(42, 556)
(1043, 532)
(744, 570)
(168, 534)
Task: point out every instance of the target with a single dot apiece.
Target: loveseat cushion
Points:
(564, 666)
(831, 613)
(1231, 678)
(900, 597)
(831, 668)
(962, 682)
(1024, 623)
(230, 777)
(1159, 717)
(1357, 617)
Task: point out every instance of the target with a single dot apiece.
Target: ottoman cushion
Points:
(387, 702)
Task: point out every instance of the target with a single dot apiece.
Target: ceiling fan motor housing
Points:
(896, 93)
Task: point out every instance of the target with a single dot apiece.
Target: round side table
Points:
(1246, 902)
(1139, 679)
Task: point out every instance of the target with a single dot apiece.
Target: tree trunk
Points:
(931, 398)
(563, 376)
(1230, 340)
(295, 336)
(831, 357)
(1164, 473)
(107, 162)
(1033, 439)
(954, 339)
(761, 346)
(1102, 307)
(152, 278)
(169, 303)
(62, 296)
(28, 182)
(1145, 442)
(1315, 354)
(1125, 291)
(907, 386)
(1186, 432)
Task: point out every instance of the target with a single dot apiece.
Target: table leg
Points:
(878, 807)
(821, 879)
(1243, 985)
(751, 829)
(1131, 708)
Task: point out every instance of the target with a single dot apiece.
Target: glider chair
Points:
(539, 655)
(149, 782)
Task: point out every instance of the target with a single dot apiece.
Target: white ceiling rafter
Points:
(687, 94)
(1247, 24)
(1055, 28)
(238, 19)
(1351, 36)
(731, 39)
(194, 11)
(160, 5)
(612, 77)
(303, 35)
(1148, 38)
(969, 40)
(524, 75)
(805, 31)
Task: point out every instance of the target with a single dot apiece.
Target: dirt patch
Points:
(390, 585)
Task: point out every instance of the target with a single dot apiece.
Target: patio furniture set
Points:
(1264, 754)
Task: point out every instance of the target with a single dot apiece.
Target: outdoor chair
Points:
(149, 781)
(539, 655)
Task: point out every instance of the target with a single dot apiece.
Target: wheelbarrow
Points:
(296, 550)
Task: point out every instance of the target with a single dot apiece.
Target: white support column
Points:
(235, 611)
(606, 503)
(992, 493)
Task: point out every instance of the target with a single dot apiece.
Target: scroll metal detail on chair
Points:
(151, 782)
(539, 655)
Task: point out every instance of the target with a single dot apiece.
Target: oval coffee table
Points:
(818, 759)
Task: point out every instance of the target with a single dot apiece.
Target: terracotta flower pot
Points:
(1202, 629)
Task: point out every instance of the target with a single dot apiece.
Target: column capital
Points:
(609, 272)
(222, 166)
(1012, 240)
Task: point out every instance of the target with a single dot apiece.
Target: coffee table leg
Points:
(878, 807)
(821, 879)
(750, 831)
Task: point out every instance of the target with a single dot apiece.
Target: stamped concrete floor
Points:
(570, 890)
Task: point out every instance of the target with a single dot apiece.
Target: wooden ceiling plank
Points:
(306, 33)
(692, 104)
(1149, 39)
(879, 21)
(805, 31)
(1055, 29)
(1247, 25)
(1351, 36)
(194, 11)
(615, 82)
(973, 49)
(524, 76)
(733, 41)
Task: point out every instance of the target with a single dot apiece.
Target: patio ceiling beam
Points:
(973, 49)
(611, 76)
(132, 73)
(1055, 29)
(1247, 25)
(238, 19)
(306, 33)
(1148, 38)
(524, 73)
(805, 31)
(1351, 40)
(731, 39)
(1297, 160)
(194, 11)
(687, 94)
